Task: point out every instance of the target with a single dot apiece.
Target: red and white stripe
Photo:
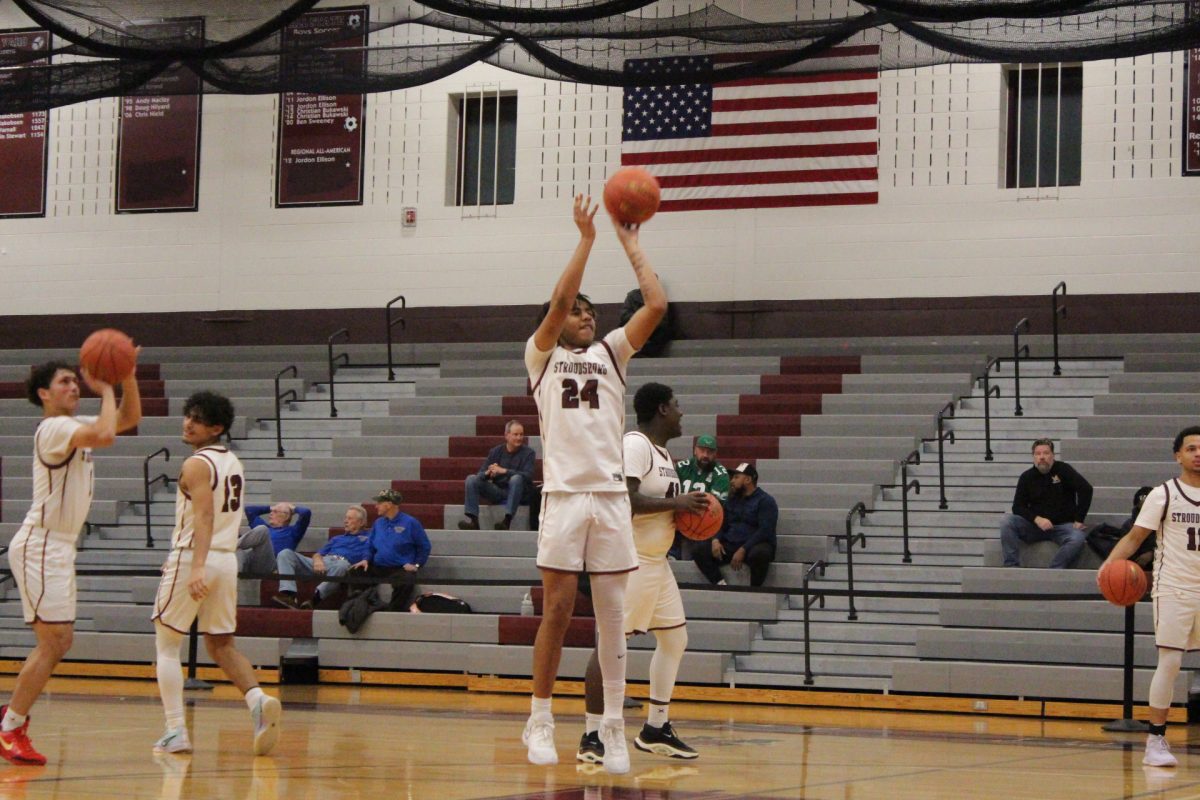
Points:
(802, 140)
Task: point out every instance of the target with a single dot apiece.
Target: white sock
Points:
(657, 716)
(591, 722)
(253, 696)
(12, 720)
(169, 670)
(608, 601)
(540, 706)
(722, 582)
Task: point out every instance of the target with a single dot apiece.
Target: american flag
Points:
(770, 142)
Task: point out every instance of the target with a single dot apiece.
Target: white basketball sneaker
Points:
(266, 716)
(174, 741)
(1158, 752)
(616, 750)
(539, 738)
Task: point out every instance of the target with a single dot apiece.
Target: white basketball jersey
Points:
(1177, 520)
(580, 397)
(62, 476)
(228, 484)
(653, 534)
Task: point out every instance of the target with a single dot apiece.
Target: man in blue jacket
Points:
(397, 542)
(273, 529)
(747, 535)
(334, 560)
(503, 477)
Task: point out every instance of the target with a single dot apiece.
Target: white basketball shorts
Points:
(174, 606)
(43, 563)
(586, 532)
(1177, 620)
(652, 599)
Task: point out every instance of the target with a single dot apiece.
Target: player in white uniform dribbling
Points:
(200, 575)
(579, 386)
(1173, 510)
(652, 600)
(42, 553)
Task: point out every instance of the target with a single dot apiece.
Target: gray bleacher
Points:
(843, 456)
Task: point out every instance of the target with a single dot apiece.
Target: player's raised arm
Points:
(646, 318)
(102, 432)
(567, 289)
(129, 412)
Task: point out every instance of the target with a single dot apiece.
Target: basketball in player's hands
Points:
(701, 527)
(631, 195)
(108, 355)
(1122, 583)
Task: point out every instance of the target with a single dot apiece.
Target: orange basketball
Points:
(1122, 583)
(631, 195)
(108, 355)
(700, 527)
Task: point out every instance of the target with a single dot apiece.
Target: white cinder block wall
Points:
(943, 226)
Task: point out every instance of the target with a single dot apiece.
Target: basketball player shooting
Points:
(579, 386)
(652, 599)
(42, 553)
(1170, 509)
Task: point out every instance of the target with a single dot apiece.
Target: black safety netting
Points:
(104, 48)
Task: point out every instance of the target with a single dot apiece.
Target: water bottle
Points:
(527, 605)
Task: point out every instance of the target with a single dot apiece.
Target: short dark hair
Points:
(41, 376)
(648, 399)
(211, 409)
(579, 298)
(1191, 430)
(1039, 442)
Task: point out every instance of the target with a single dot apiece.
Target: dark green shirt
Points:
(691, 479)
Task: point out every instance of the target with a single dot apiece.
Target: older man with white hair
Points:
(273, 529)
(336, 558)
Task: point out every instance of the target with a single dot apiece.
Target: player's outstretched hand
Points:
(627, 233)
(585, 216)
(95, 384)
(695, 502)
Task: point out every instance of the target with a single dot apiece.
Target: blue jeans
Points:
(292, 563)
(1014, 530)
(510, 496)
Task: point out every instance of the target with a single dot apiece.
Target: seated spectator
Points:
(397, 543)
(504, 477)
(273, 529)
(662, 335)
(747, 535)
(700, 473)
(1051, 502)
(334, 560)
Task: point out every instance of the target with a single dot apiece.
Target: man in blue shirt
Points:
(502, 478)
(747, 535)
(334, 560)
(397, 542)
(273, 529)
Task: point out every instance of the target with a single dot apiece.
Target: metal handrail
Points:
(1017, 351)
(859, 508)
(987, 407)
(147, 482)
(912, 458)
(1055, 311)
(818, 566)
(346, 356)
(391, 323)
(942, 436)
(278, 412)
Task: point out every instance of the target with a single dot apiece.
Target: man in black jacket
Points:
(1051, 502)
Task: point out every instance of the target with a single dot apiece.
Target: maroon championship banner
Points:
(23, 137)
(1191, 115)
(319, 160)
(158, 141)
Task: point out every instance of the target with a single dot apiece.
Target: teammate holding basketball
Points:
(200, 575)
(579, 386)
(42, 554)
(1171, 510)
(652, 600)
